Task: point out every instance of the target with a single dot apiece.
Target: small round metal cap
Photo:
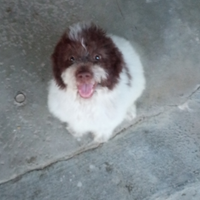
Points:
(20, 97)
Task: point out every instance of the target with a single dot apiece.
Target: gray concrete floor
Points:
(156, 157)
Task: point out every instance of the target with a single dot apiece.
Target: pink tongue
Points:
(85, 90)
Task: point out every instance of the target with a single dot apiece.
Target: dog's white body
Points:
(102, 113)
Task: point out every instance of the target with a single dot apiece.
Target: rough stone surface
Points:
(156, 157)
(159, 156)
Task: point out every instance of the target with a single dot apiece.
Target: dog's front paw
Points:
(131, 114)
(101, 138)
(73, 133)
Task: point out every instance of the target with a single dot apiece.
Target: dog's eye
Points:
(97, 57)
(72, 59)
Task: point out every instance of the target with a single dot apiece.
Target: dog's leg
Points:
(131, 114)
(73, 133)
(102, 137)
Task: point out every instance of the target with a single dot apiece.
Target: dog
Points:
(97, 77)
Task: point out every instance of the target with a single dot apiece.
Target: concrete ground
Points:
(156, 157)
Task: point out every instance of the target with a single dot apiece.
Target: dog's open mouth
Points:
(86, 90)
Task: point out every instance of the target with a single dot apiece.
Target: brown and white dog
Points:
(97, 79)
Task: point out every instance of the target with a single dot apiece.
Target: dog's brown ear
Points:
(58, 63)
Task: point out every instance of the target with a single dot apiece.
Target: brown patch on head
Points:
(64, 55)
(98, 44)
(90, 47)
(58, 60)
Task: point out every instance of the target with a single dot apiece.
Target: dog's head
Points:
(86, 60)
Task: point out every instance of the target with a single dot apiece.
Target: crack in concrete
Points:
(139, 121)
(120, 9)
(194, 92)
(187, 98)
(166, 109)
(83, 149)
(184, 105)
(94, 145)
